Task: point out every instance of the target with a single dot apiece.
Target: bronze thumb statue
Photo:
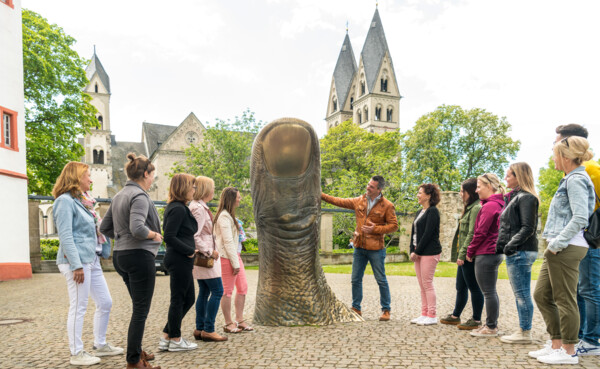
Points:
(285, 174)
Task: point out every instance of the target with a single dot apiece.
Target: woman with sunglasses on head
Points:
(556, 289)
(210, 285)
(518, 241)
(482, 249)
(465, 273)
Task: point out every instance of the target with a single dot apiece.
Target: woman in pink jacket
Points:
(209, 279)
(483, 249)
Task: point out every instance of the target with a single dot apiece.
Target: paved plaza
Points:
(41, 342)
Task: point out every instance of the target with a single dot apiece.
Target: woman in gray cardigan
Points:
(133, 222)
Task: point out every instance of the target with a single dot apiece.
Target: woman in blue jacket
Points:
(78, 259)
(556, 289)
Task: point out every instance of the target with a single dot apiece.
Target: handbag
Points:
(592, 231)
(204, 261)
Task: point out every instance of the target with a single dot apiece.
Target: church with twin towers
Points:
(368, 92)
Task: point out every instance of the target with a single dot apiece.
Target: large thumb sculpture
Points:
(286, 191)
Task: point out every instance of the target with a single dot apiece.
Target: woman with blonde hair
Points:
(210, 286)
(227, 237)
(78, 258)
(133, 222)
(556, 289)
(518, 241)
(179, 226)
(482, 249)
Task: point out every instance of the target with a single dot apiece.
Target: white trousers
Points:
(93, 285)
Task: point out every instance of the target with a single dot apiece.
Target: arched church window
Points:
(96, 88)
(95, 156)
(390, 112)
(384, 84)
(101, 157)
(334, 105)
(351, 103)
(378, 112)
(366, 114)
(359, 116)
(362, 87)
(101, 121)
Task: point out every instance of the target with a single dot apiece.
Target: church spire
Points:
(344, 71)
(96, 67)
(374, 50)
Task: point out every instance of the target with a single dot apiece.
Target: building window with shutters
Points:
(9, 129)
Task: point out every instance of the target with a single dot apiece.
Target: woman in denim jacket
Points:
(518, 241)
(78, 259)
(556, 290)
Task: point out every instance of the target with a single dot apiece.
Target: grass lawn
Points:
(444, 269)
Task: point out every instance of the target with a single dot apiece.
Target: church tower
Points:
(341, 92)
(97, 143)
(374, 98)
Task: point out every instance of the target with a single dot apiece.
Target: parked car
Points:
(160, 259)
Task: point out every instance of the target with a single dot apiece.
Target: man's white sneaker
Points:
(182, 345)
(163, 344)
(417, 320)
(84, 358)
(546, 350)
(585, 349)
(107, 350)
(428, 321)
(559, 356)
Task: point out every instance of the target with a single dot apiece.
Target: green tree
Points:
(350, 156)
(224, 155)
(451, 144)
(548, 182)
(57, 110)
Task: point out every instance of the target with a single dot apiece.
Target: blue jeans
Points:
(377, 260)
(518, 267)
(207, 308)
(465, 282)
(588, 297)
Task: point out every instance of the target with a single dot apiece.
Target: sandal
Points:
(247, 328)
(234, 330)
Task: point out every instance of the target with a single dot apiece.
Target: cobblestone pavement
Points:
(42, 341)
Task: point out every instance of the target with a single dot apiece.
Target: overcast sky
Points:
(537, 62)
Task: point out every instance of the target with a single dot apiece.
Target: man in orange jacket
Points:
(375, 216)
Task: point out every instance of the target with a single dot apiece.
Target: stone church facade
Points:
(367, 93)
(163, 144)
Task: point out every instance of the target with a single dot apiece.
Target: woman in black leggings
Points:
(133, 222)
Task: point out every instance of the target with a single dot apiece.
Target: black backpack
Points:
(592, 232)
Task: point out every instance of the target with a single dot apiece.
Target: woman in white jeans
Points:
(78, 259)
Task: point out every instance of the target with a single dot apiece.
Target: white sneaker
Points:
(84, 358)
(107, 350)
(417, 320)
(546, 350)
(182, 345)
(428, 321)
(559, 356)
(163, 344)
(585, 349)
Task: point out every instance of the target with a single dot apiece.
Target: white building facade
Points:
(14, 226)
